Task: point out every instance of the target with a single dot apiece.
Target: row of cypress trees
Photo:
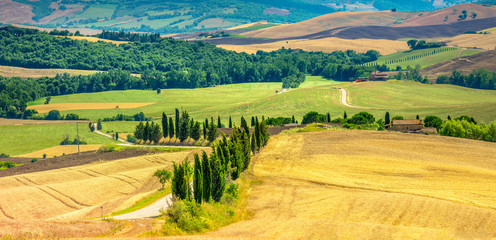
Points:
(230, 157)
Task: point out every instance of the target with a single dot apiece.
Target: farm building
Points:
(414, 125)
(378, 76)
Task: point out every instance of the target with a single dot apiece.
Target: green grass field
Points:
(402, 60)
(98, 11)
(22, 139)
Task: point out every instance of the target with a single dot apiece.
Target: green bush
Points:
(34, 160)
(3, 155)
(313, 117)
(131, 138)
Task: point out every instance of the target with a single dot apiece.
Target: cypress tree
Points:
(264, 133)
(198, 180)
(184, 126)
(191, 126)
(252, 121)
(219, 124)
(328, 118)
(387, 118)
(195, 131)
(418, 117)
(181, 180)
(258, 138)
(345, 116)
(218, 178)
(207, 177)
(449, 118)
(246, 150)
(253, 144)
(204, 131)
(244, 125)
(212, 131)
(293, 119)
(171, 128)
(165, 125)
(230, 122)
(139, 131)
(146, 131)
(177, 123)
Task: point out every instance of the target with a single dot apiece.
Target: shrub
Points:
(232, 190)
(107, 148)
(7, 164)
(362, 118)
(313, 117)
(188, 216)
(34, 160)
(3, 155)
(131, 138)
(433, 121)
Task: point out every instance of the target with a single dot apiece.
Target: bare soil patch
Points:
(61, 150)
(463, 64)
(14, 12)
(70, 160)
(83, 106)
(8, 71)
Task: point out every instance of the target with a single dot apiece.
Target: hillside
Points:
(463, 64)
(449, 15)
(186, 16)
(331, 21)
(370, 185)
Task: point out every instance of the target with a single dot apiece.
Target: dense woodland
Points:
(164, 63)
(479, 78)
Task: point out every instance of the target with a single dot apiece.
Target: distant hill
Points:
(168, 16)
(450, 15)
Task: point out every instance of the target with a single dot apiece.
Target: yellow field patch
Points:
(326, 45)
(370, 185)
(84, 106)
(484, 41)
(60, 150)
(95, 39)
(79, 192)
(7, 71)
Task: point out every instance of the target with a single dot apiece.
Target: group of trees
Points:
(230, 157)
(121, 117)
(128, 36)
(422, 44)
(479, 78)
(468, 129)
(359, 118)
(149, 131)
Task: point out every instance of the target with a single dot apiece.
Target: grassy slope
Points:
(23, 139)
(424, 61)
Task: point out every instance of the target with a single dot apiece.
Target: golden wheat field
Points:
(7, 71)
(483, 41)
(82, 106)
(370, 185)
(60, 150)
(95, 39)
(68, 194)
(326, 45)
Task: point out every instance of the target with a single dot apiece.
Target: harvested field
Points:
(370, 185)
(11, 11)
(483, 41)
(463, 64)
(82, 106)
(78, 192)
(18, 122)
(330, 21)
(95, 39)
(61, 150)
(438, 17)
(7, 71)
(331, 44)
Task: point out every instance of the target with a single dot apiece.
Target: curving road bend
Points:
(344, 98)
(151, 211)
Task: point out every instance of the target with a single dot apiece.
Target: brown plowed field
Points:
(370, 185)
(465, 65)
(14, 122)
(7, 71)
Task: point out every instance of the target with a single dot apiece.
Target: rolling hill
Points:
(370, 185)
(186, 16)
(463, 64)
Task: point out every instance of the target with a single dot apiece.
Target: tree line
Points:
(479, 78)
(229, 158)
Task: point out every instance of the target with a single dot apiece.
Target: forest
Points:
(164, 63)
(479, 78)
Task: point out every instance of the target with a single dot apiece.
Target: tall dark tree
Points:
(252, 121)
(387, 118)
(139, 131)
(156, 134)
(244, 126)
(219, 124)
(264, 132)
(195, 131)
(181, 180)
(218, 178)
(418, 117)
(171, 128)
(146, 131)
(198, 180)
(184, 126)
(177, 123)
(253, 144)
(165, 125)
(207, 177)
(204, 131)
(230, 122)
(258, 137)
(328, 118)
(212, 131)
(345, 116)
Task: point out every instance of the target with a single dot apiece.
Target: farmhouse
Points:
(378, 76)
(414, 125)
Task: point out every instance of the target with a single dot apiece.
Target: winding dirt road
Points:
(344, 98)
(151, 211)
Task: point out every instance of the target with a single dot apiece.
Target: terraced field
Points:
(370, 185)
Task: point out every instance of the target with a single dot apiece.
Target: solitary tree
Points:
(163, 176)
(219, 124)
(252, 121)
(218, 178)
(177, 123)
(230, 122)
(387, 118)
(99, 124)
(116, 136)
(345, 116)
